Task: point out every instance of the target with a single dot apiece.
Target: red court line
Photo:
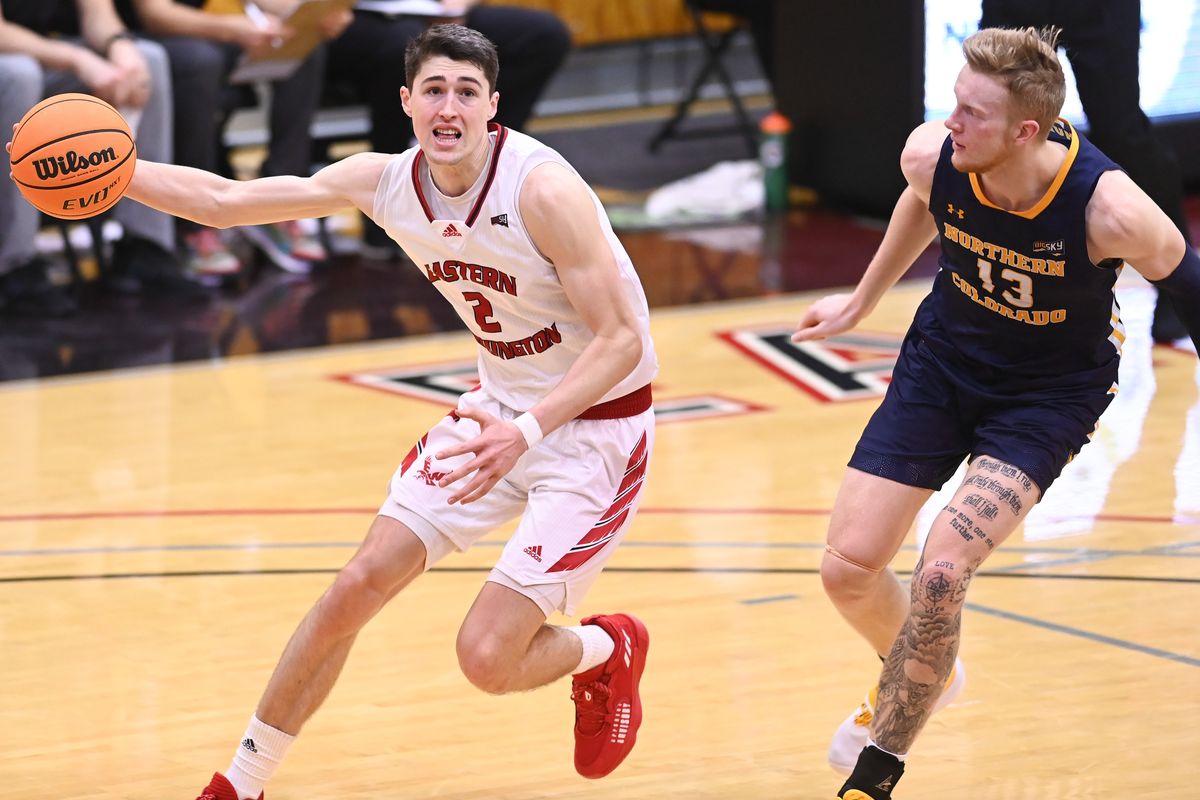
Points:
(282, 512)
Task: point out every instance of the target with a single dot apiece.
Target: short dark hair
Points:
(457, 43)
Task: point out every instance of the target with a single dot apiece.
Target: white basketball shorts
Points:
(577, 493)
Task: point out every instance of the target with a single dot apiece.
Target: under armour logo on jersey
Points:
(500, 219)
(534, 552)
(952, 210)
(451, 230)
(248, 743)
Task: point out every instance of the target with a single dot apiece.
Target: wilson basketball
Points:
(73, 156)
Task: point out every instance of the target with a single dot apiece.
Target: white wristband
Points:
(528, 425)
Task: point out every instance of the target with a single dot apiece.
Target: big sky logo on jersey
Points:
(851, 366)
(443, 383)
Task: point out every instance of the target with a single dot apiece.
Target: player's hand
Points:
(830, 315)
(496, 448)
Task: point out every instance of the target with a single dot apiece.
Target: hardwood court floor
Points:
(163, 530)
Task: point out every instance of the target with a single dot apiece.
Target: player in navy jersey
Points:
(1009, 363)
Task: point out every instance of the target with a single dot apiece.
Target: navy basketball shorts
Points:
(935, 414)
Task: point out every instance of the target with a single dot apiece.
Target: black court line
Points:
(98, 576)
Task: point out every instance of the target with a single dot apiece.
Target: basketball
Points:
(73, 156)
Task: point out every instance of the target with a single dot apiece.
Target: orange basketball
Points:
(73, 156)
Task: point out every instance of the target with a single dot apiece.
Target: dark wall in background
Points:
(851, 78)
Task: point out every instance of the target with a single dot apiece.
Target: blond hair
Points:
(1025, 62)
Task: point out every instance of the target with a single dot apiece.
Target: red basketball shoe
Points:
(219, 788)
(608, 710)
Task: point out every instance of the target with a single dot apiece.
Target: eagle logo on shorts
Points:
(427, 475)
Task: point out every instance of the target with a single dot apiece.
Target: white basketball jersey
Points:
(476, 251)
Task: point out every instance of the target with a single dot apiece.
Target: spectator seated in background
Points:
(43, 54)
(369, 56)
(204, 48)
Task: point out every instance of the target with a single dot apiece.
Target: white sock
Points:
(901, 757)
(257, 757)
(598, 646)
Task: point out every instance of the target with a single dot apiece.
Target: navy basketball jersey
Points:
(1017, 299)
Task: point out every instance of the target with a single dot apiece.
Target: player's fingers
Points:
(804, 334)
(476, 488)
(463, 471)
(474, 414)
(471, 446)
(484, 487)
(808, 319)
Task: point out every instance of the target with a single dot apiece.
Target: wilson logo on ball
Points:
(73, 156)
(47, 168)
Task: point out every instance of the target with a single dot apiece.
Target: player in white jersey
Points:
(561, 427)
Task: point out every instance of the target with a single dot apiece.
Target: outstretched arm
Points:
(1123, 222)
(222, 203)
(561, 218)
(908, 234)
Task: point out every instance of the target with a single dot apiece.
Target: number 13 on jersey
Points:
(1022, 283)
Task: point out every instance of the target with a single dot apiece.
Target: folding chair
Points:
(715, 45)
(95, 227)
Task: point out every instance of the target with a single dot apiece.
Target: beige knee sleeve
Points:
(833, 552)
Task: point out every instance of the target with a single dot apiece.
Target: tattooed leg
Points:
(922, 655)
(991, 502)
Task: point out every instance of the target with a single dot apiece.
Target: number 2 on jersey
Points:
(483, 312)
(1024, 284)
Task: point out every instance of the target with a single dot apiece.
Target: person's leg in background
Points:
(1103, 44)
(532, 46)
(199, 68)
(144, 257)
(1104, 57)
(154, 142)
(294, 103)
(369, 55)
(24, 286)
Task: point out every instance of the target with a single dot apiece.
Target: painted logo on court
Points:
(444, 383)
(851, 366)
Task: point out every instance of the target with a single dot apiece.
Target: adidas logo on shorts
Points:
(534, 552)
